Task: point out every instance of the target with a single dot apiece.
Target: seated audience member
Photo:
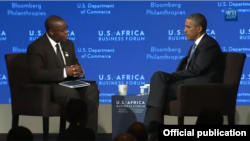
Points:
(124, 137)
(76, 115)
(210, 117)
(139, 131)
(19, 133)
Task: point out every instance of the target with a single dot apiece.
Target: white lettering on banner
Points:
(34, 34)
(243, 100)
(3, 79)
(100, 50)
(18, 50)
(94, 6)
(179, 35)
(3, 36)
(107, 94)
(15, 5)
(92, 9)
(130, 102)
(166, 8)
(26, 6)
(244, 34)
(167, 49)
(235, 4)
(164, 12)
(164, 57)
(243, 94)
(24, 13)
(165, 5)
(97, 52)
(108, 101)
(237, 49)
(128, 79)
(243, 49)
(121, 35)
(98, 56)
(173, 53)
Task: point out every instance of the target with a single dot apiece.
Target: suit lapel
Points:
(196, 50)
(51, 51)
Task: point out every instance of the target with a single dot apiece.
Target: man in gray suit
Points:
(203, 64)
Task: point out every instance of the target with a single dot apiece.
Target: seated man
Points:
(52, 59)
(203, 64)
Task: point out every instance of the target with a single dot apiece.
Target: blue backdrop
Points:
(124, 42)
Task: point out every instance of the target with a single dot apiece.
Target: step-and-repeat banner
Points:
(124, 42)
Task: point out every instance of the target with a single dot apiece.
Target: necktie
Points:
(190, 56)
(59, 55)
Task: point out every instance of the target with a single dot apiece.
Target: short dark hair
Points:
(76, 110)
(200, 20)
(51, 20)
(19, 133)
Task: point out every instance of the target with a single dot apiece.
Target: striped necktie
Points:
(190, 56)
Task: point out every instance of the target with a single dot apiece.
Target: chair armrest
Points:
(38, 92)
(198, 96)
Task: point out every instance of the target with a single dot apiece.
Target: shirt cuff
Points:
(64, 73)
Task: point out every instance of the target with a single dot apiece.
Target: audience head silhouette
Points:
(139, 131)
(19, 133)
(76, 111)
(76, 114)
(210, 117)
(124, 137)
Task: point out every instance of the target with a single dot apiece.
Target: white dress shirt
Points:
(199, 40)
(53, 43)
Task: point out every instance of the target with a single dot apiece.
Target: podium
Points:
(125, 111)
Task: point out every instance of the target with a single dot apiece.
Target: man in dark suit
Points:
(52, 59)
(203, 64)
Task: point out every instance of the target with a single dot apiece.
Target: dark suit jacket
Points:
(206, 66)
(207, 63)
(43, 63)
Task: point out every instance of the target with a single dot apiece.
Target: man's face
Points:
(191, 30)
(59, 31)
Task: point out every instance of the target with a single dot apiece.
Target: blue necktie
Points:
(190, 56)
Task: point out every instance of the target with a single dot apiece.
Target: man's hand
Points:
(81, 72)
(74, 70)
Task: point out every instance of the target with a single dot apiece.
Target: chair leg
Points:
(62, 124)
(45, 128)
(181, 120)
(231, 119)
(15, 120)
